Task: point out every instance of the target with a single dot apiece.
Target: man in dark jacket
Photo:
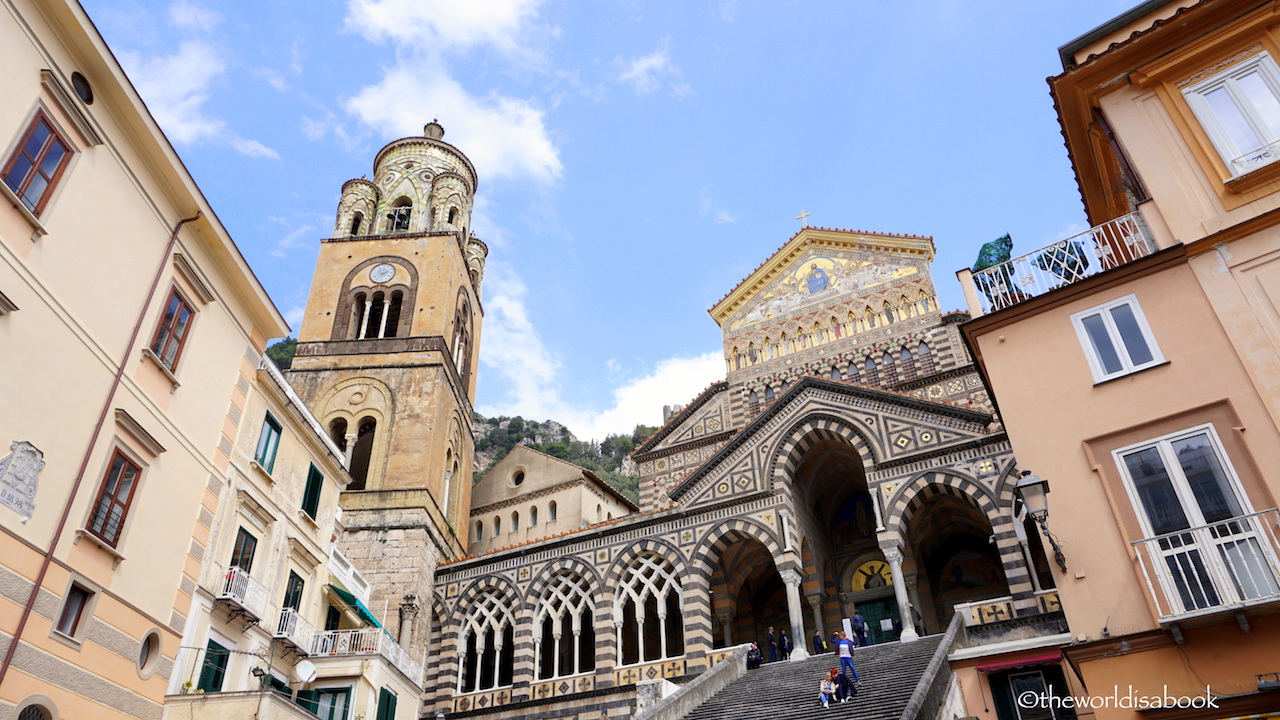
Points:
(818, 646)
(773, 645)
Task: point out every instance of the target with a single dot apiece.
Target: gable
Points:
(823, 277)
(709, 419)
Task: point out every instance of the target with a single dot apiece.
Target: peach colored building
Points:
(1135, 367)
(130, 330)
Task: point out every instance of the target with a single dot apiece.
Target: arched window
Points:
(488, 644)
(446, 493)
(925, 359)
(753, 398)
(515, 520)
(376, 317)
(338, 433)
(599, 513)
(392, 322)
(362, 453)
(888, 374)
(453, 216)
(551, 511)
(399, 215)
(359, 306)
(462, 341)
(533, 516)
(870, 375)
(906, 365)
(564, 629)
(497, 526)
(835, 373)
(357, 223)
(479, 530)
(648, 605)
(769, 393)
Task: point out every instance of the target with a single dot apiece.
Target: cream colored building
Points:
(529, 495)
(130, 331)
(1136, 369)
(283, 616)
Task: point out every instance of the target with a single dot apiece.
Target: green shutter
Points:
(214, 668)
(386, 705)
(311, 497)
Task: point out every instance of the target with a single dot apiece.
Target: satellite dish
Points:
(304, 671)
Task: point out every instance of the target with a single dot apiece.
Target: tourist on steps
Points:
(845, 688)
(827, 689)
(754, 658)
(784, 645)
(844, 648)
(773, 645)
(819, 647)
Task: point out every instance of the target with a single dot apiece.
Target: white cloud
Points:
(513, 350)
(176, 88)
(709, 208)
(445, 25)
(293, 316)
(184, 14)
(504, 135)
(507, 136)
(292, 239)
(649, 73)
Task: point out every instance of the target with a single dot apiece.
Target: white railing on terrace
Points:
(295, 629)
(244, 591)
(1106, 246)
(1225, 565)
(348, 575)
(366, 641)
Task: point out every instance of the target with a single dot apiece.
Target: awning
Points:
(1053, 659)
(356, 605)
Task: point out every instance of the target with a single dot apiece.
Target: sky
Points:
(637, 159)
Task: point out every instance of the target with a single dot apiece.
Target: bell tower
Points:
(386, 360)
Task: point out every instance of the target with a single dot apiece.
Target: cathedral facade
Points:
(850, 459)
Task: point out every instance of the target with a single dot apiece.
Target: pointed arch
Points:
(708, 550)
(791, 447)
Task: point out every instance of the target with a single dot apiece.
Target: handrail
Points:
(673, 707)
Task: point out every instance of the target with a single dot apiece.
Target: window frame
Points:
(311, 492)
(55, 133)
(1128, 366)
(100, 533)
(174, 294)
(260, 454)
(83, 613)
(238, 550)
(218, 669)
(295, 589)
(1210, 121)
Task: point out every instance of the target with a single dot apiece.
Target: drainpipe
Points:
(93, 441)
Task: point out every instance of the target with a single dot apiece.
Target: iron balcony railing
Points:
(1106, 246)
(245, 593)
(294, 630)
(366, 641)
(1225, 565)
(1255, 159)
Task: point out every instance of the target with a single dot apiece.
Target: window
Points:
(1206, 545)
(357, 222)
(487, 642)
(293, 592)
(515, 521)
(74, 606)
(311, 495)
(149, 654)
(242, 552)
(564, 628)
(497, 526)
(35, 712)
(399, 215)
(114, 497)
(172, 332)
(1116, 339)
(326, 703)
(648, 603)
(332, 619)
(35, 167)
(1239, 109)
(533, 516)
(214, 668)
(362, 453)
(479, 529)
(551, 511)
(386, 705)
(268, 443)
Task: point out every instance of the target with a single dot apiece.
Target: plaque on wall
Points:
(18, 474)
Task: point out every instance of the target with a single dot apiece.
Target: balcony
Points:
(294, 632)
(1101, 248)
(1226, 565)
(346, 573)
(245, 596)
(366, 641)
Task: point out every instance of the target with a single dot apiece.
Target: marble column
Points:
(815, 603)
(726, 624)
(894, 557)
(408, 616)
(791, 579)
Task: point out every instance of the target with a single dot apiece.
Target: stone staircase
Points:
(789, 690)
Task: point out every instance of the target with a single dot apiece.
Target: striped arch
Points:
(439, 677)
(478, 586)
(912, 495)
(624, 559)
(707, 552)
(548, 572)
(808, 433)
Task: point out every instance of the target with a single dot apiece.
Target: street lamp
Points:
(1034, 493)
